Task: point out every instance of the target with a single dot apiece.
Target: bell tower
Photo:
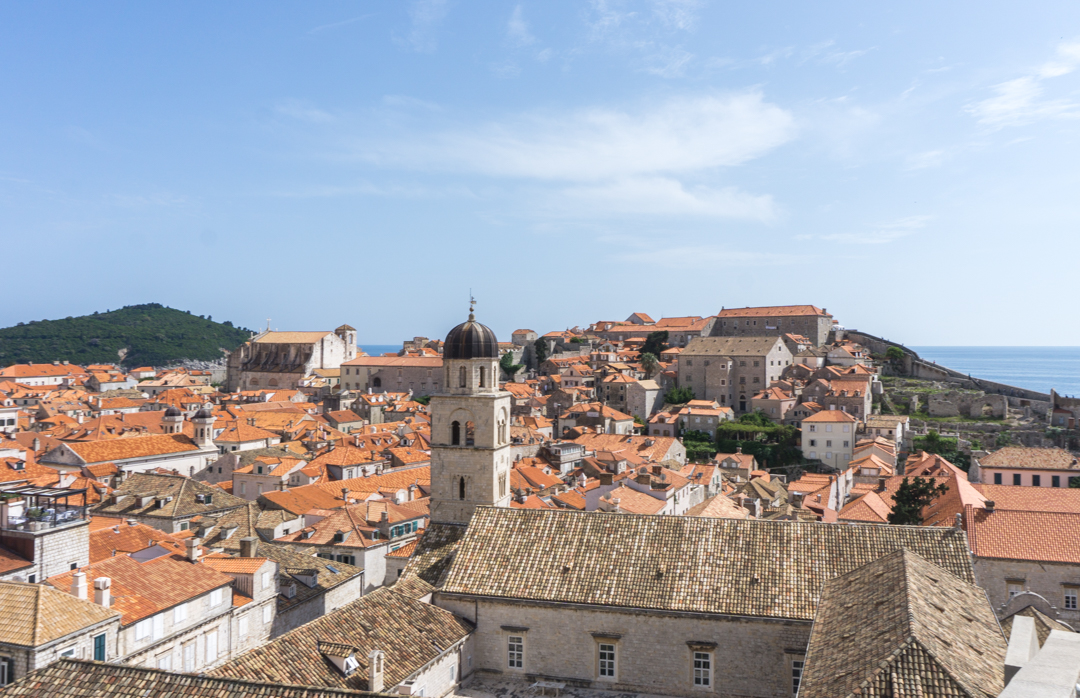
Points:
(470, 427)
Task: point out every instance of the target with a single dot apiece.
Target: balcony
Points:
(32, 509)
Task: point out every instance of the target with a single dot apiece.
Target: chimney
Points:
(989, 505)
(881, 484)
(375, 671)
(249, 546)
(102, 592)
(78, 585)
(643, 479)
(385, 517)
(657, 469)
(606, 478)
(192, 545)
(738, 449)
(959, 523)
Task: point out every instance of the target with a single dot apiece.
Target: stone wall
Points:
(1046, 579)
(750, 657)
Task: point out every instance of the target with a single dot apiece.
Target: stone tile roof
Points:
(773, 311)
(143, 589)
(183, 491)
(410, 632)
(1024, 458)
(34, 614)
(1043, 623)
(434, 552)
(1037, 536)
(290, 561)
(729, 346)
(902, 626)
(72, 678)
(677, 563)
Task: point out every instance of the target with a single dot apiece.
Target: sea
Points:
(1034, 368)
(378, 349)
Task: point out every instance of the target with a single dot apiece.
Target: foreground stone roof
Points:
(676, 563)
(902, 626)
(435, 551)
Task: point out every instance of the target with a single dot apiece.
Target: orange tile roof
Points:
(132, 447)
(831, 416)
(235, 565)
(1058, 499)
(122, 538)
(634, 502)
(1039, 536)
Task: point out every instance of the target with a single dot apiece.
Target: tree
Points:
(540, 346)
(506, 363)
(913, 495)
(679, 396)
(894, 354)
(649, 364)
(422, 399)
(655, 343)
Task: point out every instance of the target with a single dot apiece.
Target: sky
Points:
(911, 167)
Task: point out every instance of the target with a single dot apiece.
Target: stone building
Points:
(829, 436)
(34, 543)
(687, 604)
(284, 359)
(1027, 467)
(731, 370)
(806, 320)
(470, 428)
(420, 375)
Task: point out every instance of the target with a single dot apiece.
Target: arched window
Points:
(455, 433)
(462, 377)
(376, 383)
(273, 382)
(461, 489)
(253, 381)
(470, 433)
(483, 377)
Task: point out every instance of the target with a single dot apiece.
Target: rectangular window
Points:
(215, 597)
(1036, 481)
(1070, 598)
(7, 670)
(1055, 480)
(179, 614)
(813, 442)
(703, 669)
(69, 653)
(846, 444)
(243, 630)
(515, 651)
(1014, 586)
(267, 614)
(265, 580)
(1016, 479)
(99, 648)
(828, 443)
(796, 675)
(997, 478)
(159, 626)
(211, 644)
(607, 660)
(142, 629)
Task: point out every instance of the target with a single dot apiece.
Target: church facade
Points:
(282, 359)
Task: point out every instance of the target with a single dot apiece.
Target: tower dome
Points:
(172, 411)
(204, 413)
(471, 340)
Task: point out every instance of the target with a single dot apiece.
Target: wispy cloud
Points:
(925, 160)
(302, 111)
(336, 25)
(678, 136)
(663, 196)
(517, 29)
(698, 256)
(425, 16)
(410, 103)
(1020, 101)
(880, 235)
(677, 14)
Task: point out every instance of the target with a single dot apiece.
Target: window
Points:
(99, 648)
(7, 670)
(211, 645)
(1055, 481)
(813, 455)
(461, 489)
(32, 579)
(69, 653)
(1036, 481)
(796, 675)
(607, 660)
(159, 626)
(142, 630)
(164, 662)
(828, 443)
(215, 597)
(1014, 586)
(515, 651)
(997, 478)
(455, 433)
(813, 427)
(813, 442)
(180, 613)
(1016, 479)
(267, 614)
(265, 580)
(243, 630)
(702, 668)
(846, 444)
(1070, 598)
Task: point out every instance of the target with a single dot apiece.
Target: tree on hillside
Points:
(894, 354)
(679, 396)
(655, 343)
(540, 346)
(506, 363)
(649, 364)
(913, 495)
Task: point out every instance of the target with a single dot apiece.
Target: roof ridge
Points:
(38, 630)
(944, 668)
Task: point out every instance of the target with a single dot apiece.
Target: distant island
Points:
(136, 335)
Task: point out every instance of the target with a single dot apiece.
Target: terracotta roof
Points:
(677, 563)
(409, 632)
(132, 447)
(235, 565)
(773, 311)
(34, 614)
(1038, 536)
(903, 626)
(1023, 458)
(141, 589)
(1060, 499)
(396, 361)
(290, 337)
(240, 432)
(869, 508)
(830, 416)
(405, 551)
(73, 678)
(122, 538)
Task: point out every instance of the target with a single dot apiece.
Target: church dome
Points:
(204, 413)
(471, 340)
(172, 411)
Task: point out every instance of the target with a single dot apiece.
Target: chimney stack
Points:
(249, 546)
(192, 545)
(375, 671)
(102, 592)
(606, 478)
(989, 505)
(881, 484)
(78, 585)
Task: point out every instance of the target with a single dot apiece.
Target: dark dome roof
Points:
(471, 340)
(204, 413)
(172, 411)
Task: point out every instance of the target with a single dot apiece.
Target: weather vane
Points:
(472, 302)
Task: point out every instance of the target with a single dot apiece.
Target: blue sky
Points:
(911, 167)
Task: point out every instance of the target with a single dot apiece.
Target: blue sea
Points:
(1034, 368)
(378, 349)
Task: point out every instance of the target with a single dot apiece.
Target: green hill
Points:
(136, 335)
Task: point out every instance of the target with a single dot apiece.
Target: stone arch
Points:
(376, 382)
(272, 383)
(455, 433)
(461, 488)
(253, 381)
